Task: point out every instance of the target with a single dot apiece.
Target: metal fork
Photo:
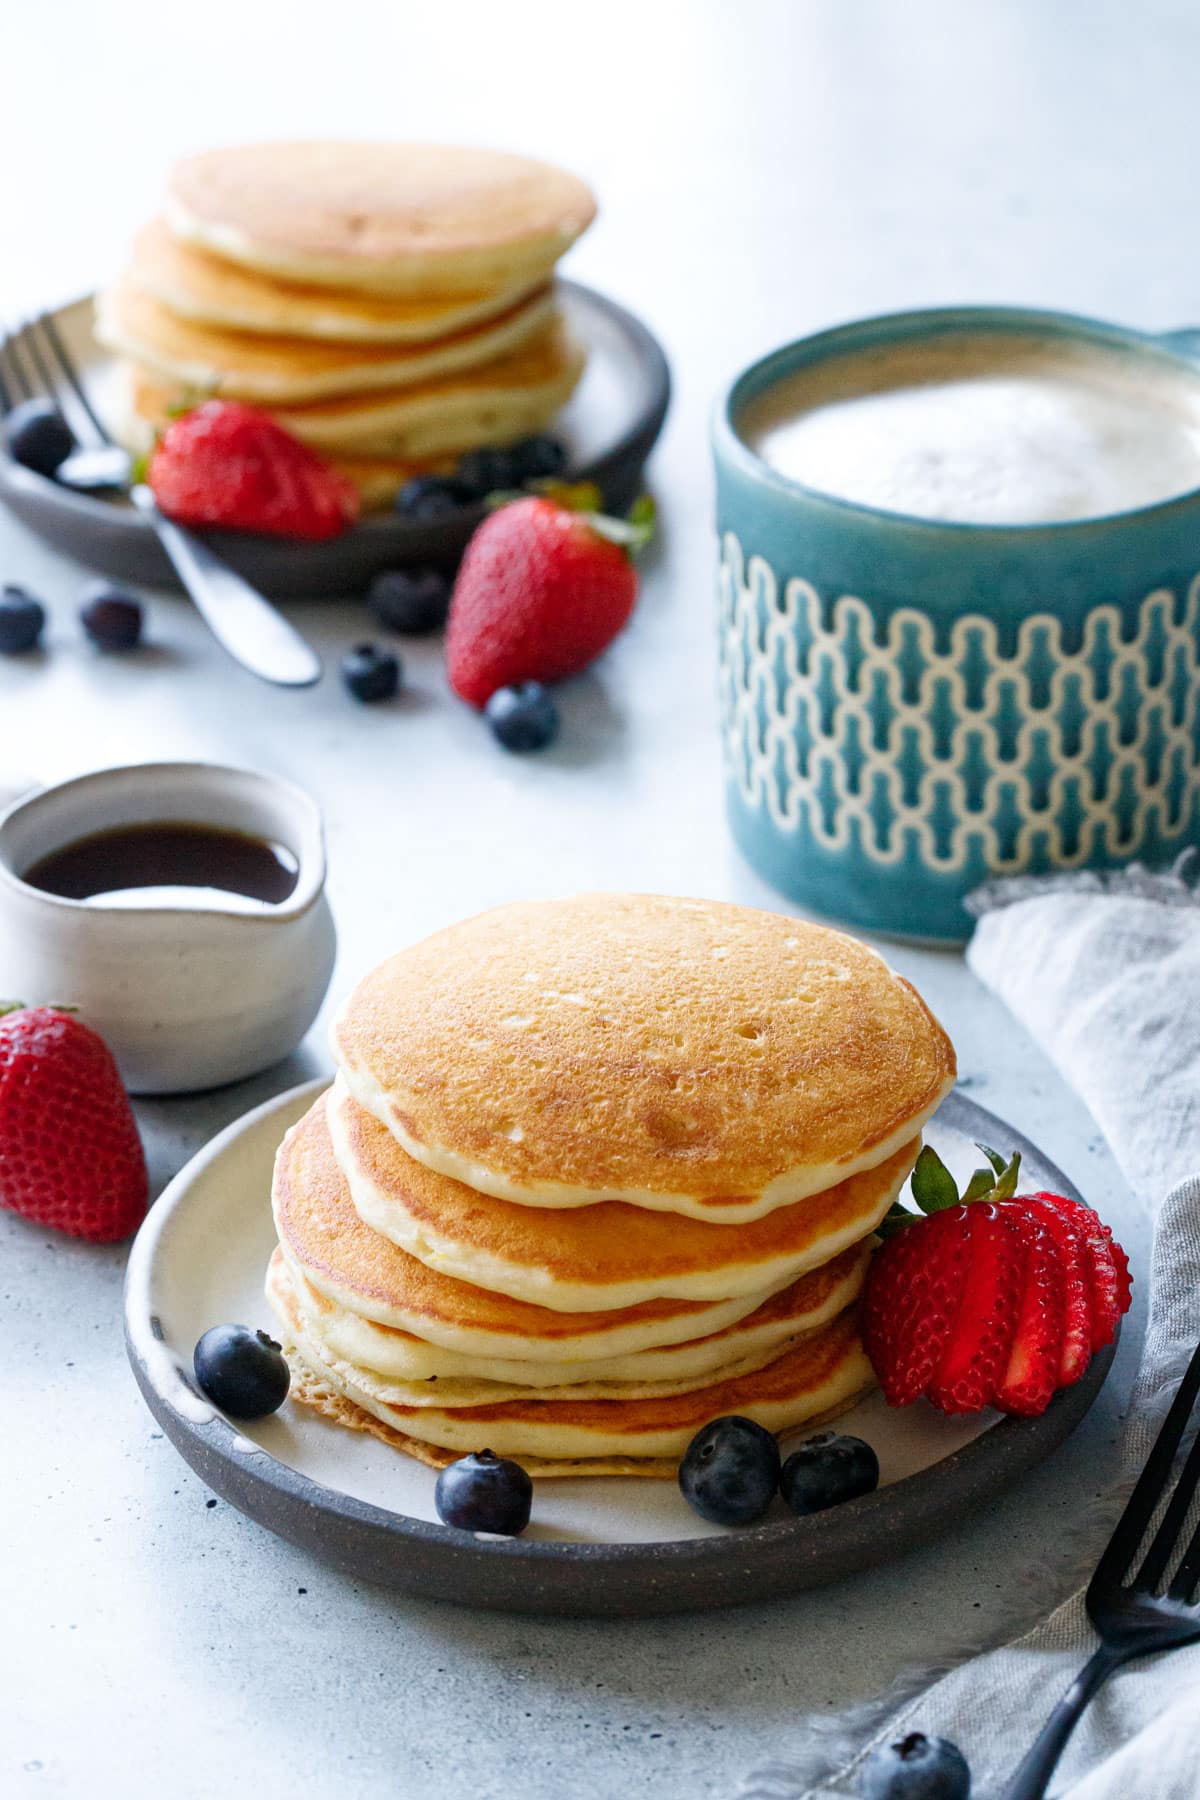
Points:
(34, 361)
(1132, 1617)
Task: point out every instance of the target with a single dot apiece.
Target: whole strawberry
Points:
(542, 590)
(992, 1299)
(229, 464)
(70, 1154)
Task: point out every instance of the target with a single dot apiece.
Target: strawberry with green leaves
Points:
(545, 585)
(989, 1298)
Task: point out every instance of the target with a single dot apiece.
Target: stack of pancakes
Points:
(594, 1172)
(391, 304)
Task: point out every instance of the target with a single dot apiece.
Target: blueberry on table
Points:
(111, 618)
(410, 601)
(538, 458)
(243, 1372)
(370, 673)
(38, 437)
(22, 619)
(429, 497)
(917, 1768)
(730, 1471)
(484, 1492)
(828, 1469)
(522, 717)
(488, 471)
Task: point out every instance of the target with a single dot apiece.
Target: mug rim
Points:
(310, 851)
(730, 447)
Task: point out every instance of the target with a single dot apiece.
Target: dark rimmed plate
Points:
(609, 426)
(600, 1547)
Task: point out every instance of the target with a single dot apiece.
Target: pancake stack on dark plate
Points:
(594, 1172)
(393, 305)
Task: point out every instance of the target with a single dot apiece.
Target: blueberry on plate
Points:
(38, 437)
(538, 458)
(489, 470)
(484, 1492)
(370, 673)
(243, 1372)
(917, 1768)
(730, 1471)
(111, 618)
(826, 1470)
(21, 620)
(411, 601)
(429, 497)
(523, 716)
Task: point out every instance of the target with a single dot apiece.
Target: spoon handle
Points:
(243, 622)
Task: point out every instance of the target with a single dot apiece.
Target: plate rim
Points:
(840, 1541)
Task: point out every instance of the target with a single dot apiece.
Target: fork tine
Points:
(17, 375)
(1186, 1584)
(1131, 1527)
(1173, 1522)
(65, 363)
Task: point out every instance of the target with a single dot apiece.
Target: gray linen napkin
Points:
(1105, 973)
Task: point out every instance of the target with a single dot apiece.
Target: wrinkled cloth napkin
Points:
(1104, 971)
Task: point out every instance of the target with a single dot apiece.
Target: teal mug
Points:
(910, 707)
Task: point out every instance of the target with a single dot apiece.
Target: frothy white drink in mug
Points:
(986, 427)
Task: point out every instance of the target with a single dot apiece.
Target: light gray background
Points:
(764, 169)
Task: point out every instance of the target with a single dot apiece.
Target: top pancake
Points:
(384, 218)
(211, 291)
(681, 1055)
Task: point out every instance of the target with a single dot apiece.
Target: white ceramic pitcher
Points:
(187, 995)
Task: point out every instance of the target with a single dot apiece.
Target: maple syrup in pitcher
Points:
(150, 862)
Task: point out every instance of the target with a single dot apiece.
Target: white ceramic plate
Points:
(611, 1545)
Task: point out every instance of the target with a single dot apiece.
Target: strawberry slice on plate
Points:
(917, 1292)
(989, 1299)
(1077, 1295)
(1032, 1372)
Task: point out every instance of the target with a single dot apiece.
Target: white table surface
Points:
(764, 169)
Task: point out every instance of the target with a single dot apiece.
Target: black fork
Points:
(35, 361)
(1131, 1615)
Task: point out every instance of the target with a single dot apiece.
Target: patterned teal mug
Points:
(910, 707)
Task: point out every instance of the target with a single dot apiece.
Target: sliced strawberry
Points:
(981, 1340)
(912, 1298)
(1029, 1380)
(1077, 1291)
(1108, 1267)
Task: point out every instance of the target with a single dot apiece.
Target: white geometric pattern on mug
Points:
(1060, 774)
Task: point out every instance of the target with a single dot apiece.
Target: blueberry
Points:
(538, 458)
(410, 600)
(488, 471)
(371, 673)
(484, 1492)
(522, 717)
(38, 436)
(730, 1471)
(429, 497)
(21, 621)
(917, 1768)
(243, 1372)
(826, 1470)
(112, 619)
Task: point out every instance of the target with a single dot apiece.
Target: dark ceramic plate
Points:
(616, 1547)
(609, 426)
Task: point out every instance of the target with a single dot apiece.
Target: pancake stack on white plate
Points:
(391, 304)
(594, 1172)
